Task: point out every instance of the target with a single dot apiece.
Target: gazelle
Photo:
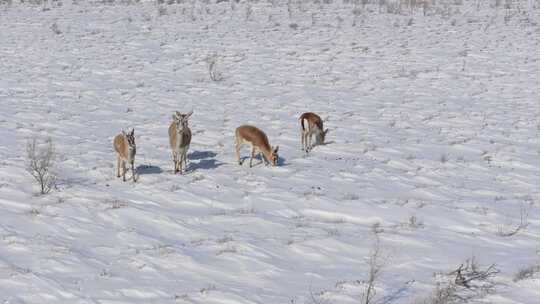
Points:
(180, 138)
(256, 138)
(124, 145)
(311, 124)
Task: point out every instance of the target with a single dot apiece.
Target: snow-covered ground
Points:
(434, 149)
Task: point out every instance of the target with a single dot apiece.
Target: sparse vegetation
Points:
(468, 282)
(443, 158)
(526, 272)
(40, 162)
(414, 222)
(162, 11)
(510, 229)
(316, 297)
(214, 74)
(375, 263)
(55, 29)
(115, 204)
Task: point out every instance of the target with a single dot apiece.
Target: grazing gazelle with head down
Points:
(124, 146)
(258, 141)
(311, 124)
(179, 139)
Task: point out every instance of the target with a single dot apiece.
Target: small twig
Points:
(523, 223)
(314, 299)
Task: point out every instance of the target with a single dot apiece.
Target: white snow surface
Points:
(432, 118)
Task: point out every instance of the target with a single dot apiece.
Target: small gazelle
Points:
(312, 124)
(124, 146)
(256, 138)
(179, 139)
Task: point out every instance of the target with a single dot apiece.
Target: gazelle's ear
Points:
(326, 131)
(132, 131)
(276, 149)
(189, 114)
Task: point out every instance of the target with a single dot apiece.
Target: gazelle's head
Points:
(181, 120)
(321, 136)
(130, 136)
(274, 156)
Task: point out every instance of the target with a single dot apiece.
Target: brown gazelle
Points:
(311, 124)
(256, 138)
(180, 138)
(124, 145)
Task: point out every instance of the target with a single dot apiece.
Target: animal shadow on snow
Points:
(282, 161)
(201, 155)
(258, 161)
(205, 159)
(148, 169)
(325, 143)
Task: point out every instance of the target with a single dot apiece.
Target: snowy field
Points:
(434, 151)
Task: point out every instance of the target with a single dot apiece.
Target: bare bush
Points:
(443, 158)
(289, 8)
(356, 12)
(376, 228)
(468, 282)
(526, 272)
(212, 69)
(443, 294)
(414, 223)
(317, 298)
(393, 7)
(161, 11)
(376, 263)
(507, 230)
(472, 277)
(249, 11)
(40, 163)
(55, 29)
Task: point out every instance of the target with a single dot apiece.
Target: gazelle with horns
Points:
(256, 138)
(179, 139)
(125, 148)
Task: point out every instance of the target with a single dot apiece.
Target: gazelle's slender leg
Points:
(263, 159)
(124, 170)
(238, 153)
(174, 161)
(318, 137)
(252, 155)
(180, 163)
(185, 158)
(117, 165)
(133, 171)
(303, 138)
